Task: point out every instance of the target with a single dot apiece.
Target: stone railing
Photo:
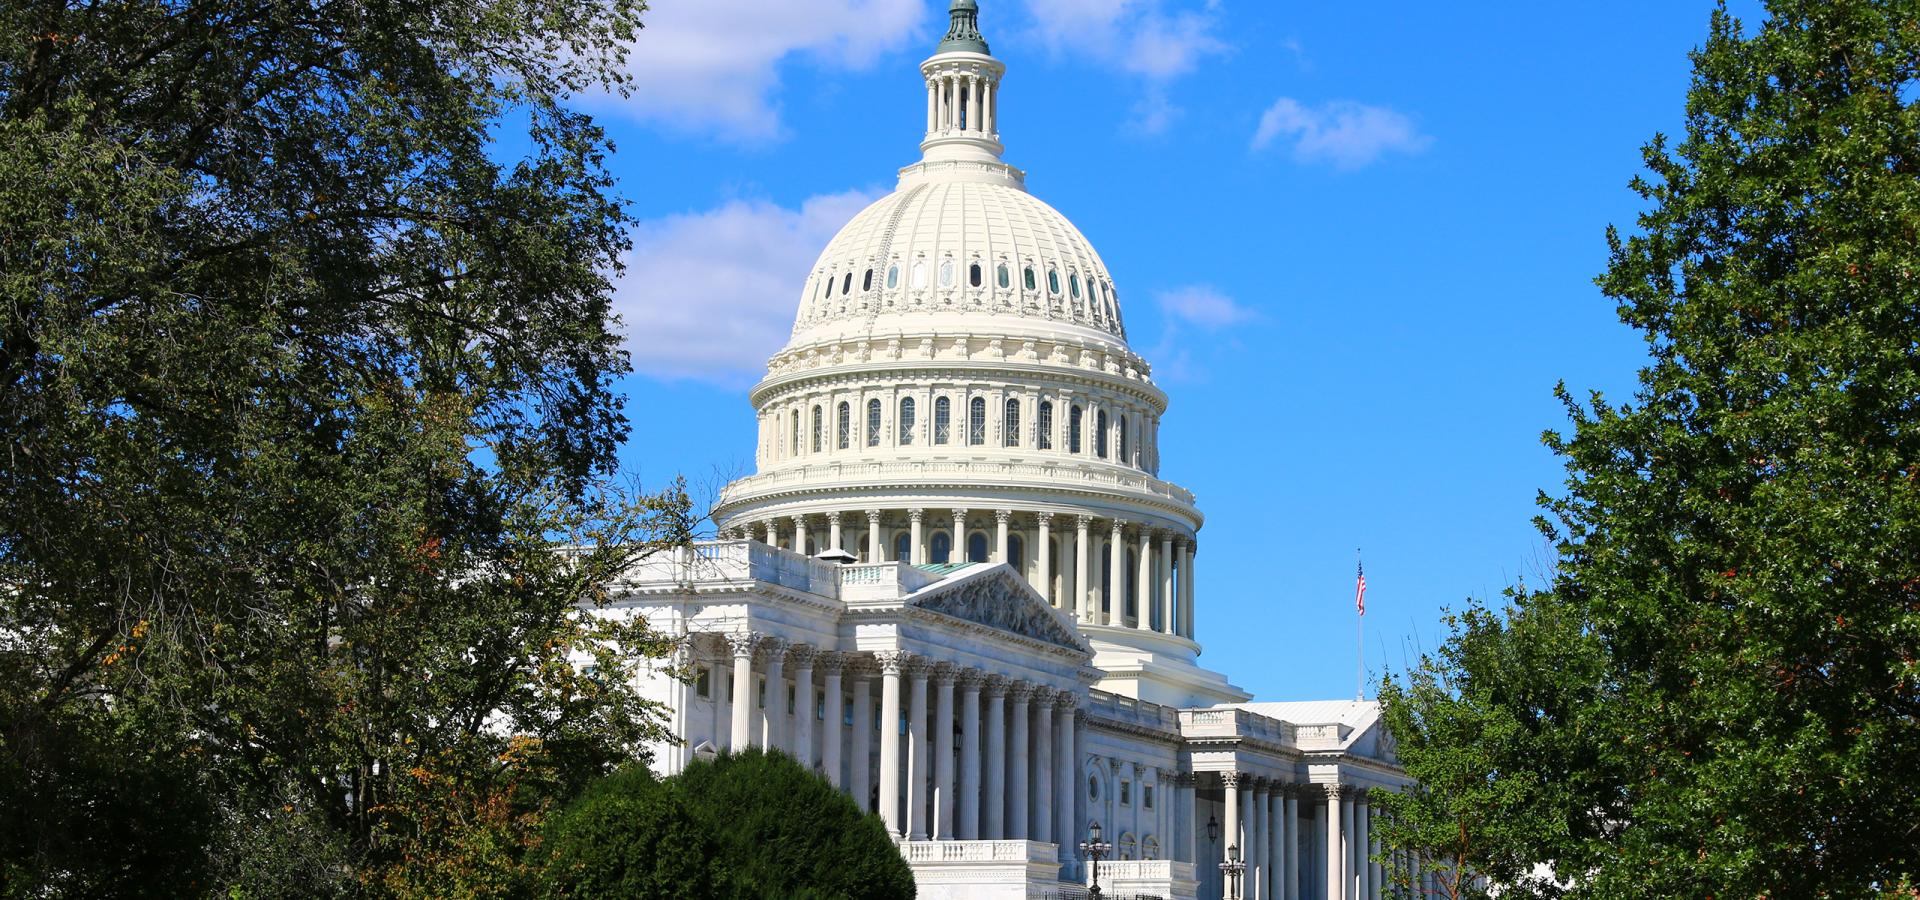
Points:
(1042, 474)
(1160, 877)
(977, 851)
(736, 561)
(1115, 707)
(881, 580)
(1235, 723)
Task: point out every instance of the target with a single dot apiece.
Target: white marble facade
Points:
(957, 586)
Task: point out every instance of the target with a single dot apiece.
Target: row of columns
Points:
(949, 94)
(994, 779)
(1163, 579)
(838, 425)
(1263, 819)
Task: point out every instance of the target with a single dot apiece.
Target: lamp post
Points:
(1231, 870)
(1094, 849)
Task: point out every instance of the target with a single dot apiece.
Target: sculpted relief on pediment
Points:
(999, 603)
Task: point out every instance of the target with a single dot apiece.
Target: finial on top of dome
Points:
(964, 33)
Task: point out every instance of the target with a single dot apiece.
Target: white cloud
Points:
(713, 65)
(710, 295)
(1202, 306)
(1195, 308)
(1347, 134)
(1145, 38)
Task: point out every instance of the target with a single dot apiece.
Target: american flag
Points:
(1360, 588)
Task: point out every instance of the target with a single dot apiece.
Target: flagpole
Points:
(1359, 629)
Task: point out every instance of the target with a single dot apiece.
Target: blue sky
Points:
(1356, 240)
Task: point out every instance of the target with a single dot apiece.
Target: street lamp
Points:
(1093, 848)
(1231, 870)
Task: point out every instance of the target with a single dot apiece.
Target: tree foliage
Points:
(751, 824)
(1718, 694)
(302, 375)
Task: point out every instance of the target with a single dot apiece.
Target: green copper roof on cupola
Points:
(964, 34)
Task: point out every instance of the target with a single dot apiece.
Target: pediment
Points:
(999, 599)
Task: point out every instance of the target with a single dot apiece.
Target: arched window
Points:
(942, 420)
(843, 426)
(1150, 847)
(902, 547)
(919, 275)
(1053, 281)
(846, 285)
(977, 421)
(1043, 426)
(946, 273)
(973, 275)
(1010, 423)
(1100, 434)
(906, 421)
(829, 285)
(1073, 281)
(873, 423)
(1127, 847)
(1001, 276)
(1124, 458)
(1017, 552)
(794, 434)
(977, 548)
(1074, 415)
(1026, 277)
(893, 277)
(818, 428)
(940, 548)
(866, 281)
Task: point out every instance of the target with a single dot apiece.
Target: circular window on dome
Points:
(893, 277)
(1028, 277)
(1053, 281)
(1001, 276)
(1073, 281)
(973, 275)
(946, 273)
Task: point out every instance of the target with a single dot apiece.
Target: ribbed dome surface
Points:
(966, 252)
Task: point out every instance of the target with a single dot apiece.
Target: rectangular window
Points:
(1126, 793)
(1146, 796)
(819, 706)
(1010, 428)
(703, 682)
(942, 420)
(1043, 426)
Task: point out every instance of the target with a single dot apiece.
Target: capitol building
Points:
(958, 587)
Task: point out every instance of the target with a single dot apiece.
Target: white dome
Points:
(911, 261)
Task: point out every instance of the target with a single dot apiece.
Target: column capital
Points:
(996, 685)
(833, 518)
(800, 518)
(1083, 522)
(1231, 780)
(801, 656)
(916, 515)
(831, 662)
(1021, 691)
(1003, 516)
(1066, 699)
(945, 672)
(873, 517)
(972, 679)
(1183, 779)
(1043, 520)
(743, 643)
(892, 662)
(1044, 697)
(1334, 791)
(1119, 525)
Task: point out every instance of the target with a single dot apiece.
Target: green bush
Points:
(752, 825)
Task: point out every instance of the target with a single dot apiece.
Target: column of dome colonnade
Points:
(1012, 742)
(1100, 570)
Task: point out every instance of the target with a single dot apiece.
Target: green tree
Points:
(302, 374)
(1731, 706)
(746, 825)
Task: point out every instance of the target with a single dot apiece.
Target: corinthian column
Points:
(891, 662)
(1336, 846)
(774, 708)
(874, 551)
(740, 735)
(968, 828)
(1143, 603)
(918, 770)
(833, 531)
(860, 741)
(1042, 806)
(1116, 601)
(944, 675)
(1017, 798)
(994, 816)
(918, 551)
(1065, 760)
(1167, 592)
(803, 656)
(1002, 518)
(1230, 829)
(832, 720)
(1084, 602)
(1045, 582)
